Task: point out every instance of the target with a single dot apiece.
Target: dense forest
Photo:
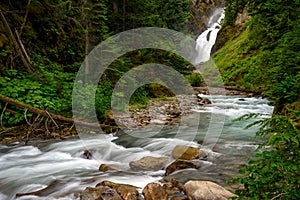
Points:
(43, 44)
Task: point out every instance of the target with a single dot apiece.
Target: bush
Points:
(274, 173)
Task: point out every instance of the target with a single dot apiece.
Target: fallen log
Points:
(46, 113)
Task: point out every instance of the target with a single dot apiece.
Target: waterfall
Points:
(207, 39)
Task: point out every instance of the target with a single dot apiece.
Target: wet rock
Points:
(174, 191)
(149, 163)
(154, 191)
(127, 192)
(52, 187)
(181, 164)
(100, 192)
(87, 154)
(187, 152)
(106, 167)
(205, 190)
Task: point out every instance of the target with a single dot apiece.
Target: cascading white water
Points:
(30, 168)
(207, 39)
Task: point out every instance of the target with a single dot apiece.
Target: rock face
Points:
(187, 152)
(205, 190)
(149, 163)
(181, 164)
(154, 191)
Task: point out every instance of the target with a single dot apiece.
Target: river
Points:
(62, 165)
(26, 168)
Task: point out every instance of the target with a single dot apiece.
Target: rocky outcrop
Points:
(149, 163)
(181, 164)
(154, 191)
(187, 152)
(205, 190)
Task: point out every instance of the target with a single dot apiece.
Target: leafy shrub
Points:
(274, 173)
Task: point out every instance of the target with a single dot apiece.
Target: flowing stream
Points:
(62, 167)
(27, 168)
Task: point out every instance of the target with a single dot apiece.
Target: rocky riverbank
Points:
(169, 110)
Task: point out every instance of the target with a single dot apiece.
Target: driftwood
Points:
(52, 116)
(17, 44)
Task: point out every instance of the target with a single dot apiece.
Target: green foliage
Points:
(265, 55)
(103, 99)
(232, 9)
(195, 79)
(275, 170)
(43, 93)
(58, 34)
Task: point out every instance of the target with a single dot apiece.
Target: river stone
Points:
(174, 191)
(52, 187)
(100, 192)
(187, 152)
(149, 163)
(106, 167)
(181, 164)
(127, 192)
(154, 191)
(205, 190)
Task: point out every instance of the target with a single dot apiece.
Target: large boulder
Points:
(205, 190)
(187, 152)
(154, 191)
(127, 192)
(112, 167)
(149, 163)
(181, 164)
(174, 190)
(100, 192)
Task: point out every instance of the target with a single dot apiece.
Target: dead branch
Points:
(23, 48)
(1, 118)
(15, 43)
(25, 116)
(52, 119)
(25, 17)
